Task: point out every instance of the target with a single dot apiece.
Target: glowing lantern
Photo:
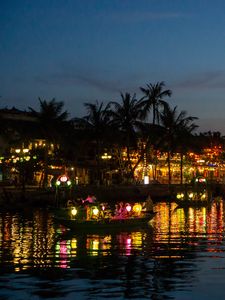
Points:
(74, 211)
(128, 207)
(95, 211)
(203, 196)
(137, 208)
(178, 196)
(146, 179)
(63, 178)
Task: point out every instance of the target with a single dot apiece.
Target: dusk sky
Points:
(86, 50)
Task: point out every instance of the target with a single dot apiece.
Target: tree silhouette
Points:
(127, 116)
(175, 124)
(153, 99)
(97, 123)
(52, 120)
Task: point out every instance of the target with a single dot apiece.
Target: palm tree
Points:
(152, 136)
(53, 124)
(185, 140)
(97, 123)
(127, 116)
(175, 125)
(51, 117)
(154, 95)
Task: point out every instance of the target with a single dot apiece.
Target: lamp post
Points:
(22, 157)
(63, 186)
(106, 157)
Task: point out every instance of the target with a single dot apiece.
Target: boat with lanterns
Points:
(196, 195)
(193, 198)
(103, 216)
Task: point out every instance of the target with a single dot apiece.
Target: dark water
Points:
(180, 256)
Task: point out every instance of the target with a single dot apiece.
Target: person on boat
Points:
(70, 203)
(90, 199)
(79, 201)
(120, 211)
(148, 205)
(105, 211)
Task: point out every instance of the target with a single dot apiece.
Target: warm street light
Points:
(106, 156)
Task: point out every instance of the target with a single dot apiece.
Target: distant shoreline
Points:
(37, 197)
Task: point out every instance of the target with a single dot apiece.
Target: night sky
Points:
(85, 50)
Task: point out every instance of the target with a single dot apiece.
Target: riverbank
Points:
(123, 193)
(32, 196)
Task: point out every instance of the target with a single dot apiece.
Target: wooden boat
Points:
(104, 224)
(93, 218)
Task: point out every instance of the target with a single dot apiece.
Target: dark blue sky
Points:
(85, 50)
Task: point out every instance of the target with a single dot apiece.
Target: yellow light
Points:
(191, 195)
(95, 211)
(106, 156)
(73, 211)
(178, 196)
(146, 179)
(17, 150)
(137, 208)
(74, 243)
(203, 196)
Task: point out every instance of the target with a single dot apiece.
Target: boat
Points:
(94, 217)
(193, 199)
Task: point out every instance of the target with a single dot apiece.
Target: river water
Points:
(181, 255)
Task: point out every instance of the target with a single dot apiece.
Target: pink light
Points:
(63, 178)
(128, 207)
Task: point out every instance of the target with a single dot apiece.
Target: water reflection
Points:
(34, 240)
(26, 241)
(123, 243)
(158, 261)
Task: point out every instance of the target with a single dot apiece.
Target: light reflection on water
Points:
(180, 256)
